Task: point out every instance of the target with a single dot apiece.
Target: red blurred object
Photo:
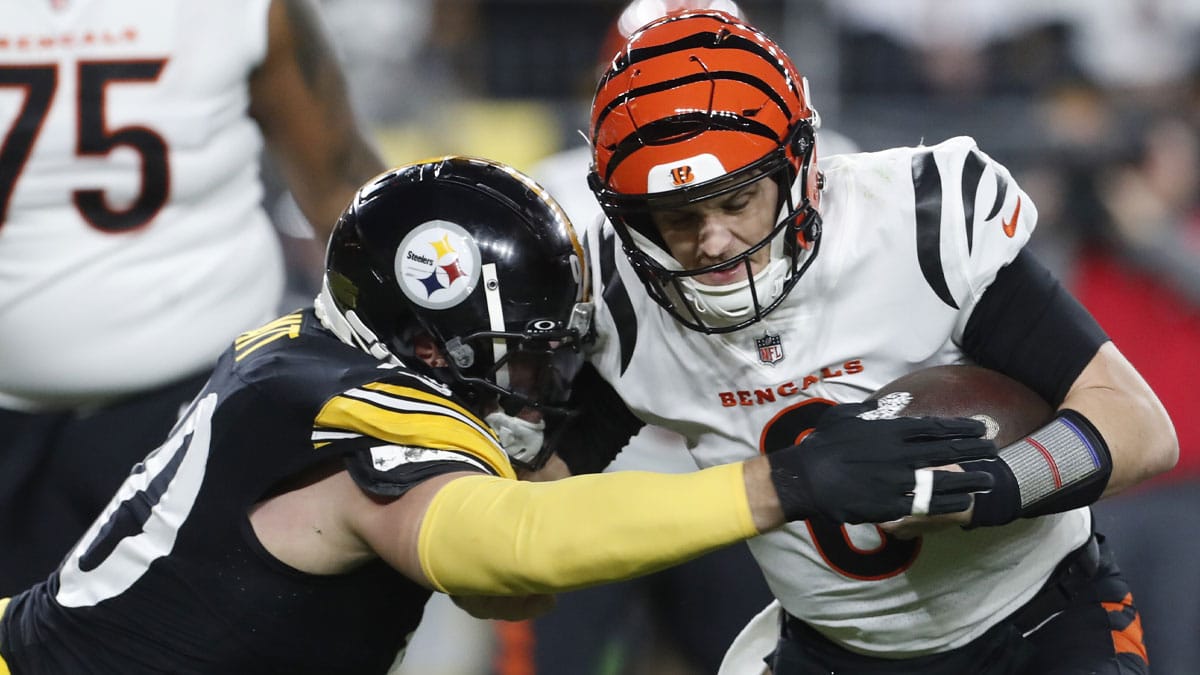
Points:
(1158, 330)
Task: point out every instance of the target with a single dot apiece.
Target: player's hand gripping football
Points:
(854, 468)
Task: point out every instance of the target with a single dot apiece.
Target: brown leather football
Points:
(1010, 410)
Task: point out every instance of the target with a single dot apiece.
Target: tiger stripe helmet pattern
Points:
(697, 104)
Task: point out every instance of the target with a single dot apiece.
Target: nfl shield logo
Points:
(770, 349)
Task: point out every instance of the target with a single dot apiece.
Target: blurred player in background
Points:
(347, 459)
(743, 289)
(133, 246)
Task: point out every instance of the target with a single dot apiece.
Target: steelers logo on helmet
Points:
(437, 265)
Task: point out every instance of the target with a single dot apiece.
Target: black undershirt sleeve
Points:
(1030, 328)
(394, 482)
(591, 438)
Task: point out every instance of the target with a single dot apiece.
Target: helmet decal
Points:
(686, 171)
(437, 265)
(476, 257)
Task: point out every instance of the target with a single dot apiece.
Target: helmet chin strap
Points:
(348, 327)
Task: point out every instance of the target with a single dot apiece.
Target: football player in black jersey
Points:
(346, 460)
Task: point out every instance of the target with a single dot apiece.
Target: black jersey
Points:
(171, 578)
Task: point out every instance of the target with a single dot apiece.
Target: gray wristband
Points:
(1062, 466)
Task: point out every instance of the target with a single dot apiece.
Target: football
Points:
(1009, 409)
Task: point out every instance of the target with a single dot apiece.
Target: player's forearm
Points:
(1110, 433)
(489, 536)
(1126, 412)
(765, 508)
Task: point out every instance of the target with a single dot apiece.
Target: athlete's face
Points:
(716, 229)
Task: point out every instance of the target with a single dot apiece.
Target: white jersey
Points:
(133, 246)
(564, 175)
(911, 238)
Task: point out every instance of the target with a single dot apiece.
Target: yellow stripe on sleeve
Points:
(411, 417)
(3, 665)
(409, 392)
(483, 535)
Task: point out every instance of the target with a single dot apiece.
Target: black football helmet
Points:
(478, 256)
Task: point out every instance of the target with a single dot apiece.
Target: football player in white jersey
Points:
(744, 290)
(691, 611)
(132, 241)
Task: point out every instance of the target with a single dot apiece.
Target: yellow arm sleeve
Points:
(484, 535)
(3, 665)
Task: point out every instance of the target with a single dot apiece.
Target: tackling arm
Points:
(471, 534)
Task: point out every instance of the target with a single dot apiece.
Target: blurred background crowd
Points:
(1094, 106)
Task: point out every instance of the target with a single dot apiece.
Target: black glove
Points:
(855, 470)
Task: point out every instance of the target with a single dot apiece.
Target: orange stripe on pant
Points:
(1127, 640)
(514, 654)
(3, 665)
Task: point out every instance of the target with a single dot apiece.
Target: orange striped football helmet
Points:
(695, 105)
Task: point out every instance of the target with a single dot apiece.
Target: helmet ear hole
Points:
(802, 139)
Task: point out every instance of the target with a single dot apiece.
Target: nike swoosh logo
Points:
(1010, 225)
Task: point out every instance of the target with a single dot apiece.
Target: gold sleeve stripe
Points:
(409, 392)
(407, 422)
(405, 399)
(3, 665)
(286, 326)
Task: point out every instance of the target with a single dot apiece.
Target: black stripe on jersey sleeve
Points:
(927, 188)
(1001, 193)
(616, 297)
(1027, 326)
(972, 173)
